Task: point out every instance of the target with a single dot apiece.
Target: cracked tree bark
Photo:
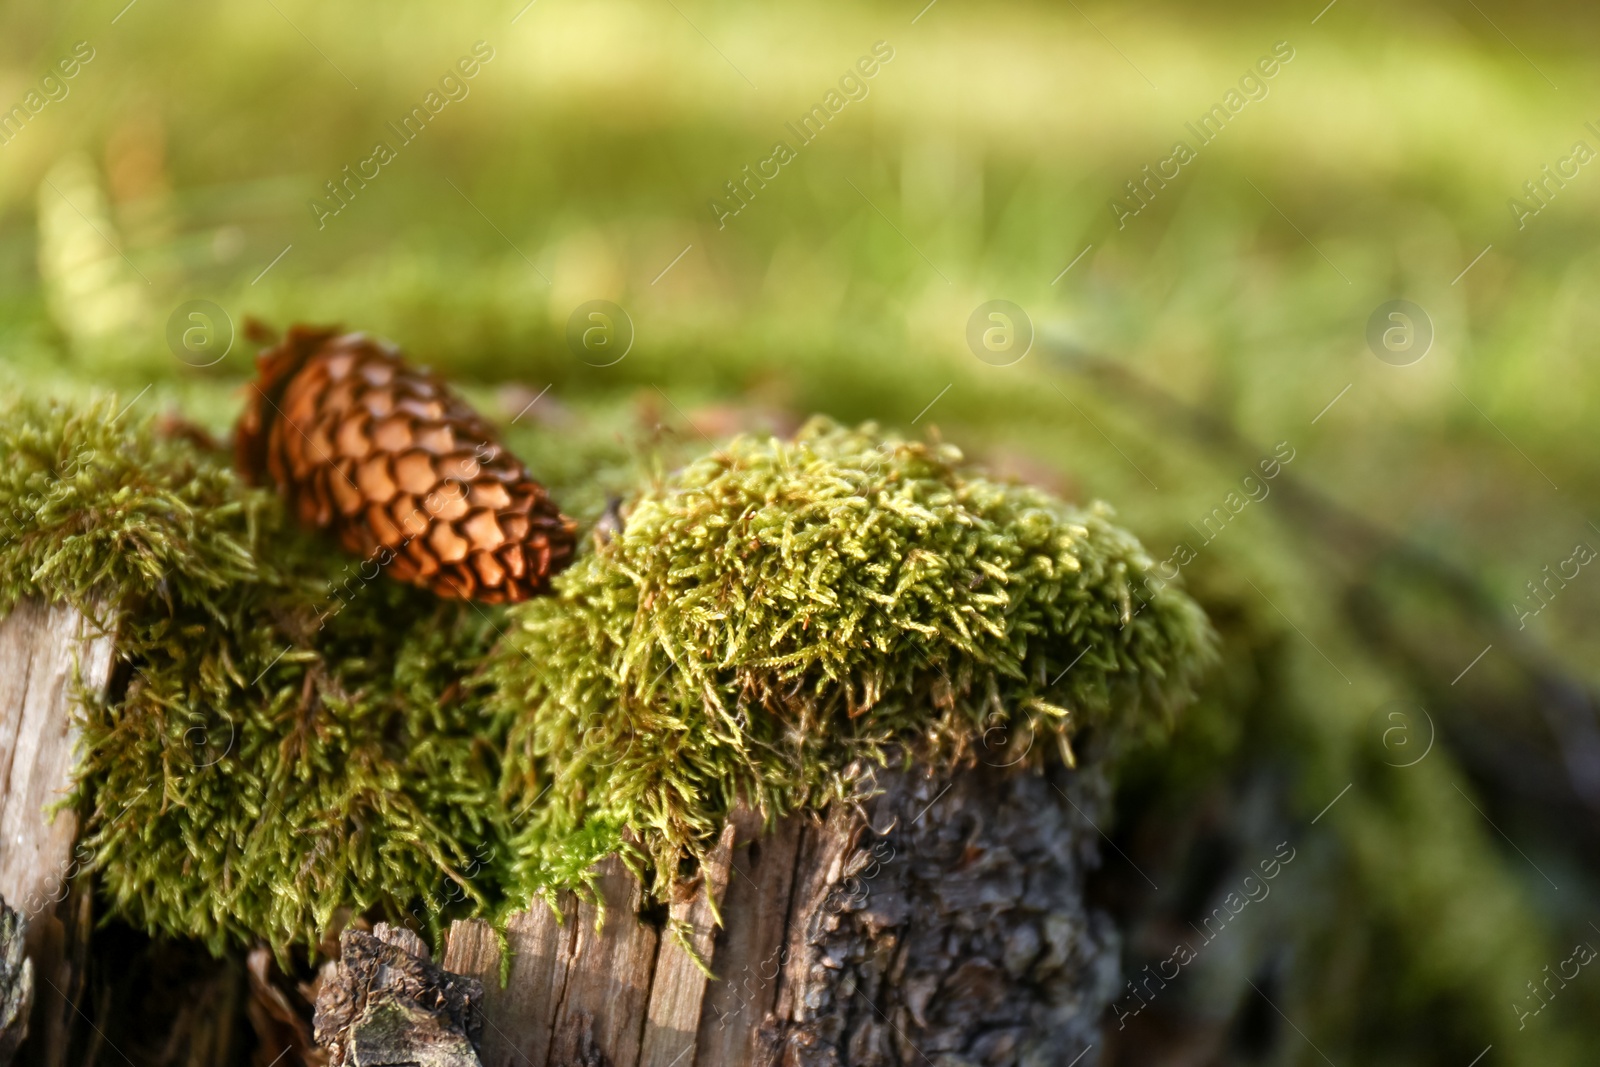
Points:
(942, 922)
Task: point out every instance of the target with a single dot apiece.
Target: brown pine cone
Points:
(402, 470)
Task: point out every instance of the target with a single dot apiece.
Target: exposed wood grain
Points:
(819, 868)
(519, 1016)
(678, 988)
(749, 947)
(41, 649)
(608, 987)
(44, 653)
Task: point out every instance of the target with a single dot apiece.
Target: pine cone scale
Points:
(489, 571)
(375, 482)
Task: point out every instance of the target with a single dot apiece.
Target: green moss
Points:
(779, 616)
(290, 739)
(287, 739)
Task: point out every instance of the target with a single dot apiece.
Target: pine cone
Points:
(402, 470)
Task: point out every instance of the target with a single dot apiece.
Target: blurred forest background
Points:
(1409, 691)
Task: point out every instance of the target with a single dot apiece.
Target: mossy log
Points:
(46, 653)
(941, 922)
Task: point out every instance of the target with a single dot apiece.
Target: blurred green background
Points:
(1181, 347)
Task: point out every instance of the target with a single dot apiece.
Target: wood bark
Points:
(45, 653)
(942, 922)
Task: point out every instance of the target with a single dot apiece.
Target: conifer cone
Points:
(402, 470)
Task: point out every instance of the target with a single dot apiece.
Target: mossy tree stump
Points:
(940, 922)
(807, 721)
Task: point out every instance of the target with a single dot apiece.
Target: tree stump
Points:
(942, 922)
(45, 653)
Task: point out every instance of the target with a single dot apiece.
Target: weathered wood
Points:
(608, 983)
(386, 1003)
(518, 1016)
(45, 652)
(821, 864)
(749, 950)
(678, 987)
